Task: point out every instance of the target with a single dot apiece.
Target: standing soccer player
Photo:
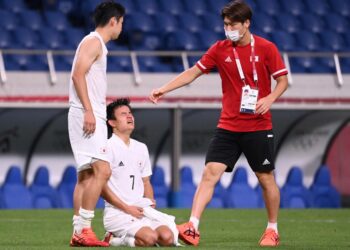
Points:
(246, 63)
(87, 119)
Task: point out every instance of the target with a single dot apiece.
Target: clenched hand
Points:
(135, 211)
(155, 95)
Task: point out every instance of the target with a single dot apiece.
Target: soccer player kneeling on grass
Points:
(130, 218)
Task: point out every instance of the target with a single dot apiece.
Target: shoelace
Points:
(272, 235)
(191, 232)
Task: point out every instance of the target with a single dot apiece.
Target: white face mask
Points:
(233, 35)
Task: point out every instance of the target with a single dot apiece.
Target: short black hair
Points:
(112, 107)
(237, 11)
(105, 11)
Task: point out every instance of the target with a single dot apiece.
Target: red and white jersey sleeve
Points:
(208, 60)
(274, 62)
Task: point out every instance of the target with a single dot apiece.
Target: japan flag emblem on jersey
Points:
(256, 59)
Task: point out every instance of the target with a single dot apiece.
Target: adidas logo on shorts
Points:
(121, 164)
(266, 162)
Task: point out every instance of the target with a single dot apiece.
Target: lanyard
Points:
(239, 66)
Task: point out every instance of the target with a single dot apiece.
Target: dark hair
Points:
(237, 11)
(105, 11)
(112, 107)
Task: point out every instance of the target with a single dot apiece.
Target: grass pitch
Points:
(220, 229)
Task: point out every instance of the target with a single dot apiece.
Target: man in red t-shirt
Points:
(245, 63)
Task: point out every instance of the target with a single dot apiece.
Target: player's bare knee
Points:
(166, 238)
(150, 239)
(210, 176)
(267, 181)
(101, 169)
(103, 173)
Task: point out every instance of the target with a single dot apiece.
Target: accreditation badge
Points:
(249, 100)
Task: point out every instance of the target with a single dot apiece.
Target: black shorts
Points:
(258, 147)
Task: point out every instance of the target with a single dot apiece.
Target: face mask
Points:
(233, 35)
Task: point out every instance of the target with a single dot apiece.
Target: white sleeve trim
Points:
(202, 66)
(279, 71)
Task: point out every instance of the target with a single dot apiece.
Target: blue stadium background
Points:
(309, 26)
(315, 26)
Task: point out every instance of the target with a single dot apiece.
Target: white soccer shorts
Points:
(86, 150)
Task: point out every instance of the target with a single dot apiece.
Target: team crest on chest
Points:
(256, 59)
(103, 150)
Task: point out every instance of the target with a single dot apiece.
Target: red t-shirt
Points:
(268, 63)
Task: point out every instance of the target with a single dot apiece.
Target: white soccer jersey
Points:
(96, 79)
(129, 165)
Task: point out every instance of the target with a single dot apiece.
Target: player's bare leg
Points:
(188, 232)
(211, 175)
(92, 187)
(271, 195)
(101, 174)
(83, 181)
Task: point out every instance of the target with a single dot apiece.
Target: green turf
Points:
(220, 229)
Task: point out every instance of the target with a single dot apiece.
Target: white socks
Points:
(127, 241)
(195, 222)
(76, 222)
(272, 226)
(83, 220)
